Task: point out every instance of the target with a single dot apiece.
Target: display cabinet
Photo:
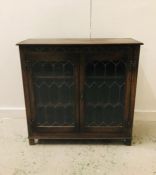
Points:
(80, 88)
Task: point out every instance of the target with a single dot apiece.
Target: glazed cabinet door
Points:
(53, 87)
(105, 90)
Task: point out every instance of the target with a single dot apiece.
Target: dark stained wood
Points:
(26, 92)
(79, 52)
(80, 135)
(134, 72)
(31, 141)
(82, 76)
(83, 41)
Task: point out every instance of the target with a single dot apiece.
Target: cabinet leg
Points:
(31, 141)
(128, 142)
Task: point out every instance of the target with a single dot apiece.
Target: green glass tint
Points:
(54, 89)
(104, 92)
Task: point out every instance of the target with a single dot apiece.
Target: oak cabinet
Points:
(79, 88)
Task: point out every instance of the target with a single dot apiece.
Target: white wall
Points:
(137, 19)
(20, 19)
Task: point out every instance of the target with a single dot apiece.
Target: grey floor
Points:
(18, 158)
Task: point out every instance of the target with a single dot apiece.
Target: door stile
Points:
(81, 85)
(77, 94)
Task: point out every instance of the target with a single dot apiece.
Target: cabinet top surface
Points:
(81, 41)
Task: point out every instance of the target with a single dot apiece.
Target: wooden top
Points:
(81, 41)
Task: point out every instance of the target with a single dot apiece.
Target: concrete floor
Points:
(18, 158)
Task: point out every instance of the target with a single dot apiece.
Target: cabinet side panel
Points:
(26, 90)
(134, 61)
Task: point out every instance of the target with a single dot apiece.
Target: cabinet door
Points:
(104, 91)
(54, 93)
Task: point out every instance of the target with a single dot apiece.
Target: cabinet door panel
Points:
(55, 90)
(104, 94)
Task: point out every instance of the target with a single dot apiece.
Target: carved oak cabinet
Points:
(80, 88)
